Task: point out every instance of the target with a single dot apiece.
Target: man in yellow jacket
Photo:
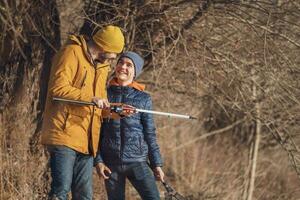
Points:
(71, 132)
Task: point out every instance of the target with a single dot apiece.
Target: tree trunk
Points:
(254, 153)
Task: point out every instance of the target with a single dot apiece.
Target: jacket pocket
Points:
(65, 123)
(80, 78)
(78, 111)
(77, 119)
(141, 171)
(83, 80)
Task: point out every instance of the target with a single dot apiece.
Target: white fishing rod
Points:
(120, 107)
(165, 113)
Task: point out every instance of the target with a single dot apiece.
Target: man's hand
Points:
(101, 103)
(159, 174)
(102, 170)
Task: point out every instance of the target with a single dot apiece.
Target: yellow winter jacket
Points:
(73, 76)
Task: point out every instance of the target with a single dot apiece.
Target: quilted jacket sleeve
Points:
(64, 69)
(150, 135)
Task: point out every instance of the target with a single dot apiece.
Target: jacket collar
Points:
(134, 84)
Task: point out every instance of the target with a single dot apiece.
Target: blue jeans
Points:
(70, 170)
(140, 176)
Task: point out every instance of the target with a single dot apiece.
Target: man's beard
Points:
(97, 61)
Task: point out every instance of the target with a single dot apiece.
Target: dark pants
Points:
(70, 170)
(140, 176)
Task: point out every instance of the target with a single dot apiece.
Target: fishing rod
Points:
(120, 108)
(83, 103)
(171, 194)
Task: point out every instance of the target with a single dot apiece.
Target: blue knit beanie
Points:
(137, 60)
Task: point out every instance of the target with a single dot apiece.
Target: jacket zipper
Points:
(92, 117)
(121, 133)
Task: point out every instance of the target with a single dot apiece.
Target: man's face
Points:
(102, 57)
(98, 55)
(125, 70)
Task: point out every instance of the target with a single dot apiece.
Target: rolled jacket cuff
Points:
(98, 159)
(153, 165)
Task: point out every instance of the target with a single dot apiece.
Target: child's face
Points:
(125, 70)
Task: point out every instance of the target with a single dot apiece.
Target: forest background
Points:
(234, 64)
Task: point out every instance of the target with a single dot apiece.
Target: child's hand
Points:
(159, 174)
(102, 170)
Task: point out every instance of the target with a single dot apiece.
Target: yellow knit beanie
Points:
(110, 39)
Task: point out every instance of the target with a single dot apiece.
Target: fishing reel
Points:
(121, 110)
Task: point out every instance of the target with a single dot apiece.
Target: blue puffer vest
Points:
(129, 139)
